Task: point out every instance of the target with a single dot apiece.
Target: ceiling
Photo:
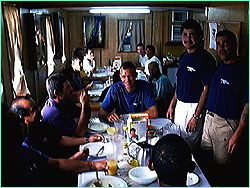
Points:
(85, 5)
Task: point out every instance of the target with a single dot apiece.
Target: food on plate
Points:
(103, 183)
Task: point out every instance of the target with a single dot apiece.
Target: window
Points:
(131, 32)
(178, 17)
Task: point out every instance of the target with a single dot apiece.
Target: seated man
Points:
(38, 168)
(142, 55)
(150, 51)
(163, 88)
(128, 96)
(60, 111)
(172, 160)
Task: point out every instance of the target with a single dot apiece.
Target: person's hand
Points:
(89, 86)
(233, 142)
(170, 113)
(192, 124)
(96, 138)
(84, 97)
(81, 155)
(113, 117)
(100, 165)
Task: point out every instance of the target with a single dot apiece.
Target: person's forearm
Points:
(173, 101)
(103, 114)
(152, 112)
(72, 141)
(243, 119)
(83, 121)
(76, 166)
(201, 104)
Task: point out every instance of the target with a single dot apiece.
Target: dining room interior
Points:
(39, 39)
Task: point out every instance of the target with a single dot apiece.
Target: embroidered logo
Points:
(190, 69)
(225, 82)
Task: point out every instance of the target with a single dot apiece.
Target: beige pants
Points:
(216, 134)
(183, 113)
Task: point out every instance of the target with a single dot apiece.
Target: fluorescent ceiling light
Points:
(119, 10)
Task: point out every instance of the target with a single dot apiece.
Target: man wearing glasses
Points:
(196, 67)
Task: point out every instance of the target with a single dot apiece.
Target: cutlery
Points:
(99, 151)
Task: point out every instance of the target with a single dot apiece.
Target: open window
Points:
(131, 32)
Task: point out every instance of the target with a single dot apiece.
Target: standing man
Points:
(226, 119)
(194, 75)
(163, 88)
(150, 51)
(142, 54)
(128, 96)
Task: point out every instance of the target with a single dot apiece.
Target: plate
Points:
(98, 126)
(192, 179)
(95, 146)
(106, 180)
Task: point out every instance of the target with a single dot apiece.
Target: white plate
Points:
(142, 175)
(114, 181)
(192, 179)
(95, 146)
(98, 126)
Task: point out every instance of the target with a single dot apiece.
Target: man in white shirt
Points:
(88, 62)
(142, 54)
(150, 51)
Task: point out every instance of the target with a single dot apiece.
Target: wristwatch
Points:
(196, 117)
(86, 140)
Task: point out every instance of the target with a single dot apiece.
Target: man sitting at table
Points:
(163, 88)
(172, 160)
(61, 112)
(29, 150)
(128, 96)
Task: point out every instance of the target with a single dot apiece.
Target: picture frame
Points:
(94, 31)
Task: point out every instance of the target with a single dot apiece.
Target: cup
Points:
(118, 141)
(112, 164)
(119, 124)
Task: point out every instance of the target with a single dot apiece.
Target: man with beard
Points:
(225, 132)
(128, 96)
(196, 67)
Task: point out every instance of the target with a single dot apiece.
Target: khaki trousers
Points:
(216, 135)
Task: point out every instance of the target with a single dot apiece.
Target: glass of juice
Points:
(112, 164)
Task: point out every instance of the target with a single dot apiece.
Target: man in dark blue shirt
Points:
(38, 168)
(227, 107)
(196, 67)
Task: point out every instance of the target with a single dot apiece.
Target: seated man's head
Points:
(141, 49)
(59, 88)
(76, 63)
(154, 70)
(150, 51)
(172, 160)
(128, 75)
(89, 53)
(25, 108)
(78, 52)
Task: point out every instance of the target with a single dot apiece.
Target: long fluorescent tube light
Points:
(119, 10)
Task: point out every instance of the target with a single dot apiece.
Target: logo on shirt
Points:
(190, 69)
(225, 82)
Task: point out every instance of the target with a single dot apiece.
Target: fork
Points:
(101, 149)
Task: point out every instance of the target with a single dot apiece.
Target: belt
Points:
(211, 113)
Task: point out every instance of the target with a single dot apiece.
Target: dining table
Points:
(122, 174)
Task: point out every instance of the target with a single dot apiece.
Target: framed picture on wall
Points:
(94, 31)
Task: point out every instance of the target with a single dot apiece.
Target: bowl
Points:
(142, 175)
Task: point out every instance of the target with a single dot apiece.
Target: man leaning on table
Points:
(30, 150)
(128, 96)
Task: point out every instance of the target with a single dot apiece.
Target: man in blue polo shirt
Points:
(128, 96)
(196, 67)
(227, 107)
